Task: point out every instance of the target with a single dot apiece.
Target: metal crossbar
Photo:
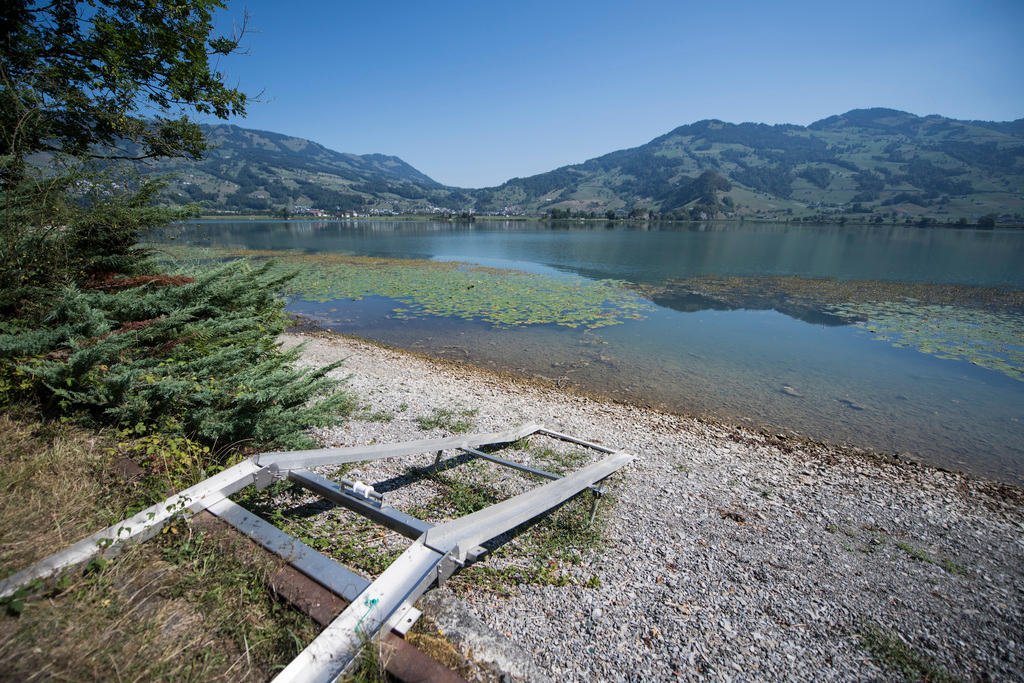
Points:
(377, 606)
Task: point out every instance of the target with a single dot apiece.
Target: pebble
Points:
(821, 552)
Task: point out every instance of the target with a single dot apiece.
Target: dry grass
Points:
(185, 606)
(56, 486)
(428, 638)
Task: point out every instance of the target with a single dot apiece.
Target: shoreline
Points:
(628, 222)
(778, 435)
(729, 551)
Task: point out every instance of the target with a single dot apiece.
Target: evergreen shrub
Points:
(179, 355)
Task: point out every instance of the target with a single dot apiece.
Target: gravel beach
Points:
(728, 554)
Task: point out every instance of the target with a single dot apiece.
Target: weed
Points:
(559, 462)
(953, 567)
(460, 497)
(375, 416)
(174, 608)
(352, 540)
(447, 419)
(175, 461)
(947, 564)
(51, 471)
(229, 588)
(369, 664)
(914, 553)
(544, 553)
(890, 650)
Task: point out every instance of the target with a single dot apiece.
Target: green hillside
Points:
(876, 161)
(252, 170)
(880, 164)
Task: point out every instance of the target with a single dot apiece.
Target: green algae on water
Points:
(501, 297)
(988, 339)
(983, 326)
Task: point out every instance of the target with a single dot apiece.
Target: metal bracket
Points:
(404, 618)
(447, 567)
(266, 476)
(598, 495)
(364, 491)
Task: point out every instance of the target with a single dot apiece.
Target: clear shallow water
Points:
(758, 367)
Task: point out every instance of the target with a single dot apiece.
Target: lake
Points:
(914, 344)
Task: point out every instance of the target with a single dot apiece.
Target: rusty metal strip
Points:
(402, 659)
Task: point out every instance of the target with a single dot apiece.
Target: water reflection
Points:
(651, 253)
(690, 302)
(724, 345)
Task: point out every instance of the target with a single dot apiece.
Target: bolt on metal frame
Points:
(375, 607)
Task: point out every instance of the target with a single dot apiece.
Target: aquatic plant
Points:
(979, 325)
(988, 339)
(501, 297)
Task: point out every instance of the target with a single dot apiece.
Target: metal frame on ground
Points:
(375, 607)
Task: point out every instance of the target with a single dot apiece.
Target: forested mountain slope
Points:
(880, 159)
(872, 161)
(253, 170)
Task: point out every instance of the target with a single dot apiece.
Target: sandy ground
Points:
(729, 554)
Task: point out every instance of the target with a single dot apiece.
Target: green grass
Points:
(950, 566)
(230, 589)
(457, 496)
(559, 462)
(369, 665)
(375, 416)
(895, 654)
(544, 552)
(449, 419)
(914, 553)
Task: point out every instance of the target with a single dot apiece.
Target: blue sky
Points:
(473, 93)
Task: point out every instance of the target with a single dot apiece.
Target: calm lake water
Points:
(732, 357)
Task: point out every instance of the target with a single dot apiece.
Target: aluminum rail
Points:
(466, 532)
(138, 527)
(402, 582)
(288, 460)
(385, 515)
(322, 569)
(573, 439)
(431, 558)
(260, 470)
(394, 519)
(511, 464)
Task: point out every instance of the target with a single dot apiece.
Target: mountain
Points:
(874, 161)
(871, 160)
(253, 170)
